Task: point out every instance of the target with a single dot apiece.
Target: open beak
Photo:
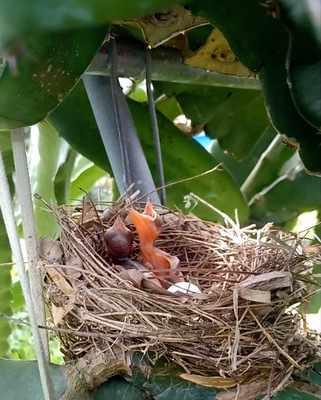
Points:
(148, 224)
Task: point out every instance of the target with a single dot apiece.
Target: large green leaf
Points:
(288, 199)
(63, 177)
(285, 116)
(250, 31)
(48, 67)
(261, 43)
(22, 19)
(182, 157)
(241, 170)
(283, 113)
(75, 121)
(270, 167)
(303, 58)
(49, 147)
(236, 117)
(21, 380)
(292, 394)
(162, 381)
(117, 388)
(85, 181)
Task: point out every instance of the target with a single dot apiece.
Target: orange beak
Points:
(148, 224)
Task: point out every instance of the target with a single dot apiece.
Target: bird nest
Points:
(231, 325)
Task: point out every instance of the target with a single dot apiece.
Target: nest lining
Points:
(236, 327)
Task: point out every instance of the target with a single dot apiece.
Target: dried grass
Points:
(238, 327)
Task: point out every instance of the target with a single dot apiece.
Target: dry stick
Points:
(182, 181)
(226, 217)
(98, 335)
(281, 384)
(271, 340)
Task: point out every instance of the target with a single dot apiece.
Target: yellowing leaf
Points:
(60, 281)
(211, 381)
(216, 55)
(160, 27)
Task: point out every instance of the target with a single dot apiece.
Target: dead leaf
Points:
(259, 296)
(250, 390)
(268, 281)
(211, 381)
(154, 286)
(60, 281)
(216, 55)
(160, 27)
(50, 250)
(58, 313)
(132, 275)
(72, 267)
(89, 213)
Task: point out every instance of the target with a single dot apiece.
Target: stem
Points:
(266, 170)
(153, 117)
(166, 66)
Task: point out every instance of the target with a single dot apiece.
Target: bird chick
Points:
(149, 225)
(119, 240)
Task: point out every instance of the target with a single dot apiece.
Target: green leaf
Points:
(236, 117)
(18, 300)
(268, 167)
(292, 394)
(118, 389)
(252, 35)
(63, 176)
(5, 303)
(49, 146)
(74, 120)
(284, 115)
(303, 59)
(313, 375)
(161, 380)
(85, 181)
(288, 199)
(47, 69)
(21, 380)
(23, 19)
(260, 42)
(241, 170)
(169, 107)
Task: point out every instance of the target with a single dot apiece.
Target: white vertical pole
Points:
(12, 232)
(23, 191)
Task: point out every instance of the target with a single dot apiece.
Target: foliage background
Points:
(47, 47)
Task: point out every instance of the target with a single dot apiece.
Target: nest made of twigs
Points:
(237, 328)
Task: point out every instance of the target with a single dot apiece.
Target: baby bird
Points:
(118, 240)
(149, 226)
